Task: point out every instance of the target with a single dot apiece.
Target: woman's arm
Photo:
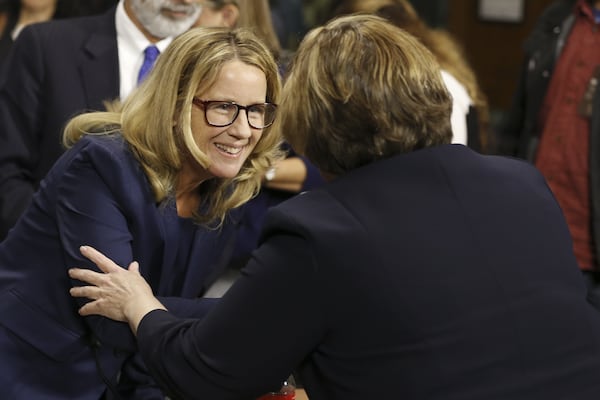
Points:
(119, 294)
(90, 210)
(287, 175)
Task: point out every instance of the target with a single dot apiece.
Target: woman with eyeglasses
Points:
(152, 180)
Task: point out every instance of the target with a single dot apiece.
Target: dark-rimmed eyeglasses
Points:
(223, 113)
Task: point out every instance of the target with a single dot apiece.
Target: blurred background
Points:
(491, 32)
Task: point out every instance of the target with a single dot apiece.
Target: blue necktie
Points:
(150, 55)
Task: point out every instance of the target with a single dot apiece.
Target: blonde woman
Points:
(151, 181)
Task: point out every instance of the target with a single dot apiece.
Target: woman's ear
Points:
(230, 15)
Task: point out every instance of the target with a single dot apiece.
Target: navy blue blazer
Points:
(96, 194)
(438, 274)
(55, 70)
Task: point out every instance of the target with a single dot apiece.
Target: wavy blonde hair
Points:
(361, 89)
(440, 42)
(155, 120)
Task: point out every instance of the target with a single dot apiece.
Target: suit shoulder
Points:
(309, 200)
(513, 164)
(70, 29)
(102, 150)
(87, 22)
(109, 155)
(305, 211)
(110, 144)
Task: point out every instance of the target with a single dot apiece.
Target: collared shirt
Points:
(461, 101)
(563, 155)
(131, 43)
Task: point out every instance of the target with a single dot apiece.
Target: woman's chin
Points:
(225, 173)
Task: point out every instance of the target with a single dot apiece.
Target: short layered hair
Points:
(359, 90)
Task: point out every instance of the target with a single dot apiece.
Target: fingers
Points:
(86, 275)
(134, 267)
(104, 263)
(91, 308)
(87, 309)
(91, 292)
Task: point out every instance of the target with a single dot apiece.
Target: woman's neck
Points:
(187, 203)
(187, 197)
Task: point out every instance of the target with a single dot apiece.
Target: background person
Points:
(554, 121)
(159, 177)
(16, 14)
(423, 270)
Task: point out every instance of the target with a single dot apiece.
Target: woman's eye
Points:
(226, 106)
(257, 110)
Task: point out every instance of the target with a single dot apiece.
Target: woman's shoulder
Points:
(112, 143)
(103, 151)
(109, 157)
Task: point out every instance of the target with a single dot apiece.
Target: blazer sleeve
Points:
(20, 114)
(88, 212)
(313, 175)
(314, 178)
(223, 356)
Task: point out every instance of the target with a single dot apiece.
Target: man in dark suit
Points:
(61, 68)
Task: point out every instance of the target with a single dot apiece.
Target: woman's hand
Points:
(118, 293)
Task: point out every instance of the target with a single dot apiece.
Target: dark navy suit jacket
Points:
(56, 69)
(96, 194)
(438, 274)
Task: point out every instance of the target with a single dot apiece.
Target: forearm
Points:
(222, 349)
(289, 175)
(183, 307)
(136, 310)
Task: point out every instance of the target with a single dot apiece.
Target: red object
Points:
(287, 392)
